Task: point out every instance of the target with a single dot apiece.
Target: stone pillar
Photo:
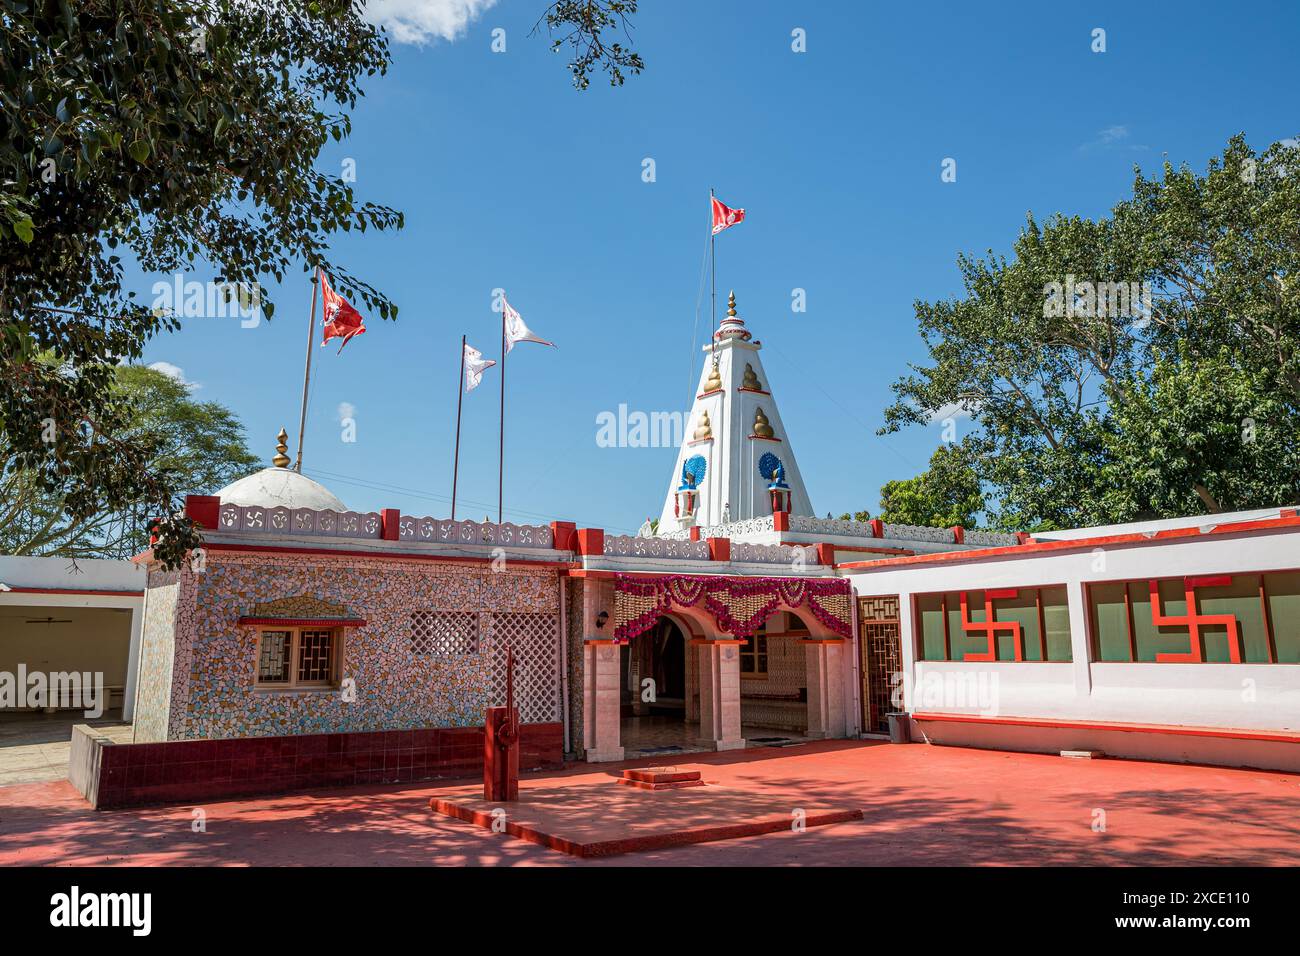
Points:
(827, 714)
(641, 654)
(720, 694)
(600, 702)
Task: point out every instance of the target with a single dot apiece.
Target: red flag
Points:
(341, 320)
(724, 216)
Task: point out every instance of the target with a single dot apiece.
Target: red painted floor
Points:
(921, 805)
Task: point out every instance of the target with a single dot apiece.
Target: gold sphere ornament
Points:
(281, 460)
(714, 381)
(703, 430)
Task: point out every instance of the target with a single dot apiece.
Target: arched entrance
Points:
(721, 622)
(657, 714)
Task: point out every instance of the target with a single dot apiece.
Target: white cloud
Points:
(346, 410)
(174, 372)
(420, 21)
(953, 410)
(1113, 137)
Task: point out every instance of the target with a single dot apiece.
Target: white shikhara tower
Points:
(735, 436)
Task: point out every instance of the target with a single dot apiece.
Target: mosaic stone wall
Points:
(575, 662)
(157, 652)
(213, 694)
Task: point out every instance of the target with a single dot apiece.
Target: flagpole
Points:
(713, 259)
(306, 375)
(460, 397)
(501, 468)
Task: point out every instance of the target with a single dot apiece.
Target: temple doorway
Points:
(657, 713)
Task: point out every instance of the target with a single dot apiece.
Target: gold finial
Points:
(731, 304)
(703, 430)
(281, 460)
(751, 379)
(714, 381)
(761, 427)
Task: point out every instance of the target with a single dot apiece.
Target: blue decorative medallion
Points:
(771, 468)
(693, 470)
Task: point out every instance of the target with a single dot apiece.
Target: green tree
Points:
(168, 134)
(198, 446)
(1100, 354)
(946, 494)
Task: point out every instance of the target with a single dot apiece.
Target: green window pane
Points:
(1109, 621)
(1056, 623)
(929, 615)
(1023, 609)
(1165, 639)
(961, 641)
(1283, 592)
(1241, 600)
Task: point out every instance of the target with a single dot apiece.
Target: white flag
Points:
(516, 331)
(475, 366)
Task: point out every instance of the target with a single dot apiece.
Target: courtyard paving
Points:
(921, 805)
(34, 747)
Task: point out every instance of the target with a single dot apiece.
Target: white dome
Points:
(280, 488)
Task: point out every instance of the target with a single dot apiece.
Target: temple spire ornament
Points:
(714, 381)
(747, 468)
(281, 460)
(703, 430)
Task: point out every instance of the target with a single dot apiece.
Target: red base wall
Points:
(192, 771)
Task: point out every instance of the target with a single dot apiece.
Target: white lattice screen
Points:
(444, 633)
(536, 640)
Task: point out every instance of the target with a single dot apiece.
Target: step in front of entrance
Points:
(661, 778)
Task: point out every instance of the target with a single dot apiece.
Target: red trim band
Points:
(92, 592)
(303, 621)
(1174, 729)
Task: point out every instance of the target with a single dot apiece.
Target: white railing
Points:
(254, 519)
(505, 535)
(991, 539)
(634, 546)
(903, 532)
(797, 555)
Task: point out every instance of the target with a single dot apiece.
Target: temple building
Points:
(308, 644)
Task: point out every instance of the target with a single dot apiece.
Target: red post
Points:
(591, 541)
(564, 536)
(781, 520)
(719, 549)
(877, 528)
(695, 533)
(390, 523)
(958, 534)
(203, 510)
(501, 743)
(826, 554)
(1023, 537)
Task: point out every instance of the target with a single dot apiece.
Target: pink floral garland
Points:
(650, 598)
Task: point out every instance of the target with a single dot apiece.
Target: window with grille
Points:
(298, 657)
(314, 657)
(444, 633)
(273, 658)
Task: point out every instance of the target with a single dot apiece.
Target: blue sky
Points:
(510, 178)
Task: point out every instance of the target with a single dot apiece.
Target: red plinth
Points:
(501, 754)
(661, 778)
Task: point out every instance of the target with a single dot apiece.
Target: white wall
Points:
(1241, 696)
(55, 585)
